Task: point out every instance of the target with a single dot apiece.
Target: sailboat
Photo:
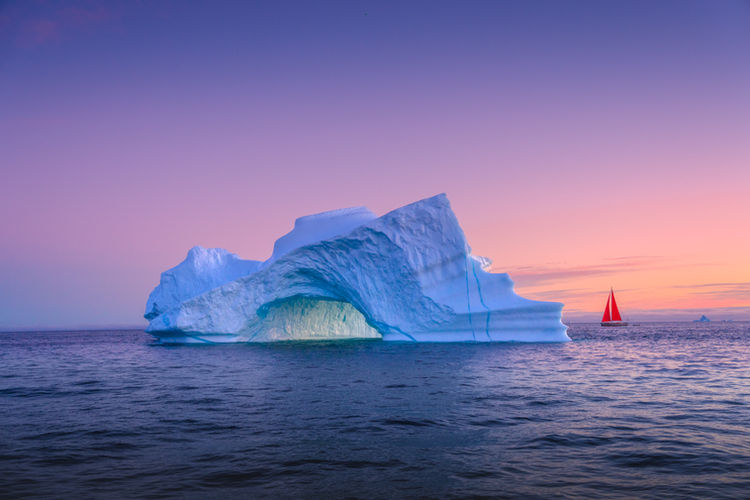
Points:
(611, 313)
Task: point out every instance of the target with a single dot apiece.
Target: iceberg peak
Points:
(321, 226)
(203, 269)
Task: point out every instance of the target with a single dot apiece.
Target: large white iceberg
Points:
(406, 276)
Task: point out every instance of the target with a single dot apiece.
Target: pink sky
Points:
(576, 155)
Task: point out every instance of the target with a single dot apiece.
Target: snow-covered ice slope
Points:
(406, 276)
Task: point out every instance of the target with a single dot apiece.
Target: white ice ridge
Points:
(406, 276)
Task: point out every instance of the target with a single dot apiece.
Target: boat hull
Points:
(614, 323)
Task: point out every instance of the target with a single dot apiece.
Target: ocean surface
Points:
(650, 411)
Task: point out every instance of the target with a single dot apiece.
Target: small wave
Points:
(357, 429)
(66, 459)
(118, 446)
(50, 435)
(478, 474)
(410, 423)
(566, 440)
(213, 457)
(641, 460)
(236, 477)
(86, 382)
(112, 433)
(494, 422)
(349, 464)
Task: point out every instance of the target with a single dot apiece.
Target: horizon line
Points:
(121, 328)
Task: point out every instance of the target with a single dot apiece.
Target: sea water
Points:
(647, 411)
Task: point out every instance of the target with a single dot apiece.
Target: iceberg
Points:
(408, 275)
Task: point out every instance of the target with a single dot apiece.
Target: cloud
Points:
(565, 294)
(743, 284)
(738, 290)
(78, 16)
(39, 32)
(34, 24)
(535, 275)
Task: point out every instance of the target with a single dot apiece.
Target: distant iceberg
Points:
(406, 276)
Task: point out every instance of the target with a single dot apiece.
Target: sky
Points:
(583, 144)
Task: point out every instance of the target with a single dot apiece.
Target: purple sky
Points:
(569, 136)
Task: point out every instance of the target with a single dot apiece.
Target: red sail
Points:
(615, 311)
(606, 316)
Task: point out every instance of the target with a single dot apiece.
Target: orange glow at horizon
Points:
(660, 248)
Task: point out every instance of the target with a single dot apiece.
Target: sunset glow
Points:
(583, 145)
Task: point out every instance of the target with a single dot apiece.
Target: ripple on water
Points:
(653, 411)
